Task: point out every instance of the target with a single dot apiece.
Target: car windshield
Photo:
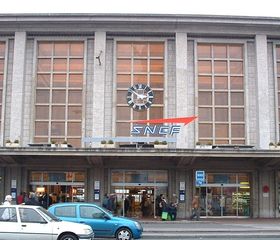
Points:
(48, 215)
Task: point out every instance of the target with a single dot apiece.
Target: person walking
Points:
(8, 200)
(195, 208)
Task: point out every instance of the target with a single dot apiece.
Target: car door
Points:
(9, 225)
(34, 226)
(96, 218)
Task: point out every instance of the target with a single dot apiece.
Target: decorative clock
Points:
(140, 97)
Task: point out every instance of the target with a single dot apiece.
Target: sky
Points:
(267, 8)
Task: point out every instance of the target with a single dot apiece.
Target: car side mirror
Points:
(106, 217)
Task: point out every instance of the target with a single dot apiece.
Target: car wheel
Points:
(124, 234)
(68, 236)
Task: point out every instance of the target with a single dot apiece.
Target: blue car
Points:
(102, 222)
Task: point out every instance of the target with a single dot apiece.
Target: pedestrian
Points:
(195, 208)
(105, 201)
(21, 198)
(32, 200)
(8, 200)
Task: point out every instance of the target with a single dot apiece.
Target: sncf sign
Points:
(160, 129)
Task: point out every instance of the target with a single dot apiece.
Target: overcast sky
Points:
(269, 8)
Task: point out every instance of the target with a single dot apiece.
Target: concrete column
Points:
(181, 85)
(262, 93)
(99, 84)
(17, 98)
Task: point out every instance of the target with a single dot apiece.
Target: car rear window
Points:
(8, 214)
(65, 211)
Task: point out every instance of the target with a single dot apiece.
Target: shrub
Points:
(16, 141)
(103, 142)
(156, 142)
(164, 143)
(110, 142)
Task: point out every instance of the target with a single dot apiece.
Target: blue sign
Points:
(199, 178)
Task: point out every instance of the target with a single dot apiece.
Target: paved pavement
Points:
(218, 228)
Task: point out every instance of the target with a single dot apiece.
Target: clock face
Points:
(140, 97)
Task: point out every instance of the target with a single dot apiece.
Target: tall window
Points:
(221, 111)
(278, 82)
(2, 64)
(139, 62)
(59, 92)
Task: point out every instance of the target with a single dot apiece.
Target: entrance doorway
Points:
(225, 199)
(136, 191)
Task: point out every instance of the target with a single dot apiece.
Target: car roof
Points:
(20, 205)
(74, 203)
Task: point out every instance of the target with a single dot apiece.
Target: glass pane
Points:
(220, 51)
(242, 142)
(221, 114)
(76, 49)
(204, 82)
(124, 50)
(58, 129)
(204, 98)
(40, 140)
(237, 114)
(61, 49)
(74, 129)
(205, 114)
(74, 113)
(2, 49)
(1, 80)
(221, 141)
(236, 83)
(123, 129)
(140, 66)
(156, 112)
(237, 98)
(220, 67)
(60, 65)
(139, 115)
(123, 80)
(59, 96)
(140, 50)
(156, 66)
(123, 65)
(75, 142)
(123, 113)
(41, 128)
(75, 96)
(42, 112)
(236, 67)
(204, 67)
(236, 51)
(237, 130)
(204, 51)
(59, 80)
(42, 96)
(205, 130)
(156, 49)
(221, 82)
(156, 81)
(121, 97)
(140, 78)
(43, 80)
(221, 130)
(221, 98)
(44, 65)
(278, 52)
(76, 65)
(76, 80)
(278, 67)
(158, 97)
(58, 112)
(1, 65)
(44, 49)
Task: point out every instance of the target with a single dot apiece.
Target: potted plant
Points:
(53, 143)
(15, 143)
(103, 143)
(271, 146)
(8, 143)
(110, 144)
(278, 146)
(64, 144)
(208, 145)
(198, 144)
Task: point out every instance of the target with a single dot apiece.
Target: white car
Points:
(22, 222)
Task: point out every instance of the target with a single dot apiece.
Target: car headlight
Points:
(87, 231)
(138, 225)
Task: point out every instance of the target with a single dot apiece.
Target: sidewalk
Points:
(218, 228)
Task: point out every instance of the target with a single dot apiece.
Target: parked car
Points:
(24, 222)
(103, 222)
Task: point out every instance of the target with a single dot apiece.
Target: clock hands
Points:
(139, 96)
